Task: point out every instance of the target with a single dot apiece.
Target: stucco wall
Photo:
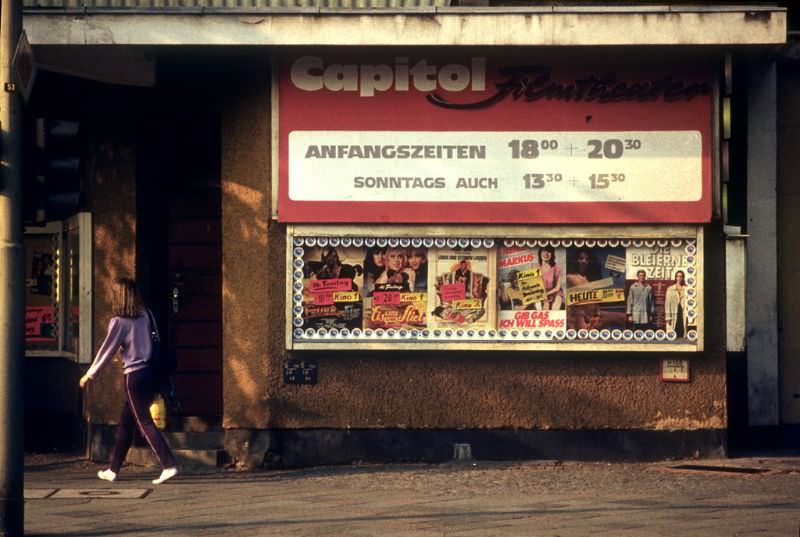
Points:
(503, 390)
(111, 191)
(248, 245)
(425, 389)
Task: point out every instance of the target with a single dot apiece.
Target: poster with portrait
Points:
(41, 275)
(395, 287)
(595, 294)
(333, 278)
(530, 290)
(660, 288)
(464, 290)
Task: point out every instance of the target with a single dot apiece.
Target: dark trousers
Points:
(140, 389)
(679, 328)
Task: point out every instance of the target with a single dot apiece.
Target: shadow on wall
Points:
(500, 390)
(112, 194)
(306, 447)
(248, 295)
(252, 253)
(506, 407)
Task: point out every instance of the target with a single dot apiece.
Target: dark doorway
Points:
(179, 252)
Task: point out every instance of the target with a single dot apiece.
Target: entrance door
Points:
(180, 252)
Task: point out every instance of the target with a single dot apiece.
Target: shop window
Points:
(58, 289)
(560, 288)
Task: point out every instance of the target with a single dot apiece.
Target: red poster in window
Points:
(40, 323)
(422, 135)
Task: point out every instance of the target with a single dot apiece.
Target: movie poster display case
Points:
(637, 288)
(493, 199)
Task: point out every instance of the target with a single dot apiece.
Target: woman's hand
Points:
(84, 380)
(412, 277)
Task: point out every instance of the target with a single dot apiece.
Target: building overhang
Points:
(529, 26)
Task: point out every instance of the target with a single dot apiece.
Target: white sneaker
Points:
(166, 473)
(107, 475)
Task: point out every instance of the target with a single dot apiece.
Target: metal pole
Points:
(12, 269)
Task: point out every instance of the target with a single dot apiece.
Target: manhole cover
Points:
(101, 494)
(726, 469)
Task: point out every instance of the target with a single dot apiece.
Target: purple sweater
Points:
(131, 337)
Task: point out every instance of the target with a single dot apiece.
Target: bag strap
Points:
(153, 326)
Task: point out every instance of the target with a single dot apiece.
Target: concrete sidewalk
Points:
(730, 497)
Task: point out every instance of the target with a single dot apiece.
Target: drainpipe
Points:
(12, 283)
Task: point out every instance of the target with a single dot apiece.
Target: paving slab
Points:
(481, 499)
(38, 494)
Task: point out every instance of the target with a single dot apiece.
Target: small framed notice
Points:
(674, 370)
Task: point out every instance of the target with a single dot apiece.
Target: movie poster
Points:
(530, 290)
(42, 270)
(660, 289)
(464, 289)
(395, 288)
(595, 294)
(333, 278)
(534, 290)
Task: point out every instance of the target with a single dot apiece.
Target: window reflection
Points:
(42, 291)
(53, 288)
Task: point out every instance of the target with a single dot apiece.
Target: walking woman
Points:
(130, 332)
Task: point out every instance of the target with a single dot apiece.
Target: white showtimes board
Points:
(448, 167)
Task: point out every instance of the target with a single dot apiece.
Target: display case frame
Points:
(630, 236)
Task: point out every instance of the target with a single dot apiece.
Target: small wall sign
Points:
(674, 370)
(300, 371)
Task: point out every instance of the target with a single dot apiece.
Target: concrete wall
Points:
(538, 25)
(788, 245)
(503, 390)
(762, 246)
(111, 191)
(251, 282)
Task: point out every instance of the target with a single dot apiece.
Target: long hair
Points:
(369, 263)
(127, 300)
(573, 267)
(552, 251)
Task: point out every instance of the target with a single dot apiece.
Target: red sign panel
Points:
(40, 323)
(391, 136)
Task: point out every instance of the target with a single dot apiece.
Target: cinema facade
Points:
(374, 244)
